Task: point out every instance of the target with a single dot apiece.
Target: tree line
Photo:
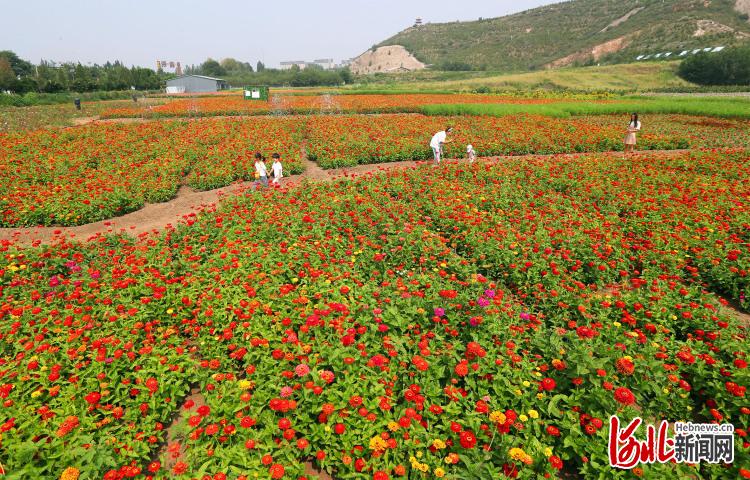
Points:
(20, 76)
(728, 67)
(238, 74)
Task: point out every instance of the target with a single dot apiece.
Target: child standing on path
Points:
(260, 169)
(276, 169)
(471, 153)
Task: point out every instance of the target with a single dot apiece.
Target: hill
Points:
(579, 32)
(621, 77)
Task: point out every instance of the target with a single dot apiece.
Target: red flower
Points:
(556, 462)
(179, 468)
(624, 396)
(93, 398)
(468, 439)
(547, 384)
(276, 471)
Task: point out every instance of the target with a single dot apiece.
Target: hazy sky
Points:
(140, 32)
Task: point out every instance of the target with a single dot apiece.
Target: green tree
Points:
(20, 67)
(260, 67)
(728, 67)
(7, 75)
(212, 68)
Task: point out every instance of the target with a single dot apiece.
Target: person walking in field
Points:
(437, 142)
(471, 154)
(277, 170)
(630, 137)
(260, 169)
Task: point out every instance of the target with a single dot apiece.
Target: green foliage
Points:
(728, 67)
(537, 37)
(726, 107)
(455, 66)
(212, 68)
(21, 77)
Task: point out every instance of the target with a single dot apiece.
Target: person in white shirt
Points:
(471, 153)
(437, 142)
(260, 169)
(630, 139)
(277, 170)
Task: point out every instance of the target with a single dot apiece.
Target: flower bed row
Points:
(289, 104)
(81, 175)
(350, 140)
(100, 171)
(475, 321)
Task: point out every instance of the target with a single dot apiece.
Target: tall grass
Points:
(713, 107)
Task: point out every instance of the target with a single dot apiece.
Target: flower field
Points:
(90, 173)
(348, 140)
(100, 171)
(464, 322)
(342, 141)
(237, 105)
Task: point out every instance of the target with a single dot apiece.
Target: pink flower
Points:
(301, 370)
(286, 391)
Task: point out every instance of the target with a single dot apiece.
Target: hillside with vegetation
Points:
(578, 32)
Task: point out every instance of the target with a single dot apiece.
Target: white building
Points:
(325, 63)
(288, 65)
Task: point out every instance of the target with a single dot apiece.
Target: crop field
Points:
(100, 171)
(95, 172)
(236, 105)
(460, 321)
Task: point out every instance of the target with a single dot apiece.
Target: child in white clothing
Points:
(277, 170)
(471, 154)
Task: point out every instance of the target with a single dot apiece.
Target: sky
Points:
(139, 32)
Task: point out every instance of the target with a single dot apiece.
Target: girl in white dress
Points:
(630, 139)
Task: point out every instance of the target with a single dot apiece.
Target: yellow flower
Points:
(70, 473)
(438, 444)
(377, 444)
(36, 394)
(245, 384)
(539, 395)
(617, 324)
(526, 383)
(497, 416)
(439, 472)
(393, 426)
(523, 418)
(520, 455)
(547, 452)
(518, 392)
(533, 414)
(419, 454)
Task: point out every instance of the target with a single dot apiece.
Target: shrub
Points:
(729, 67)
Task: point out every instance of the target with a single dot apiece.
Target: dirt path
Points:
(185, 207)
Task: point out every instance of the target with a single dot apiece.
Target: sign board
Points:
(256, 92)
